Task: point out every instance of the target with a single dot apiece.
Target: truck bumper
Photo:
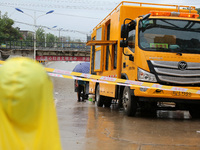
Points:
(164, 95)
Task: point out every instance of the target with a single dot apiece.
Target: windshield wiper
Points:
(170, 23)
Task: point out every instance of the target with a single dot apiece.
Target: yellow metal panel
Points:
(107, 90)
(92, 87)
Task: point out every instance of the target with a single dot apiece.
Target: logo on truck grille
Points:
(182, 65)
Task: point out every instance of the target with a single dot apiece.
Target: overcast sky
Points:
(79, 17)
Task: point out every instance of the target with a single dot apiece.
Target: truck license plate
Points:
(179, 93)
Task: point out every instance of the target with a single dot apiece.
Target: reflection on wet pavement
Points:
(173, 114)
(110, 128)
(85, 126)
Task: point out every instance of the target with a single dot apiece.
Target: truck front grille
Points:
(171, 72)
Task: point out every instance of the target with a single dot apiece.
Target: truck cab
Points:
(159, 47)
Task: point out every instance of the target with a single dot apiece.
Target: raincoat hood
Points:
(27, 111)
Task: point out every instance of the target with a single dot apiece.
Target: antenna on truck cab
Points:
(144, 17)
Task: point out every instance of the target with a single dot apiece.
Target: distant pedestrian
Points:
(82, 87)
(27, 110)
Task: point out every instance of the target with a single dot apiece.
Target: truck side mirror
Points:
(124, 30)
(132, 25)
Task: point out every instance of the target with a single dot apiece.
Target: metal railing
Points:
(43, 45)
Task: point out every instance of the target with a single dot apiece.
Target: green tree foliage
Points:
(50, 39)
(198, 10)
(40, 35)
(30, 36)
(7, 32)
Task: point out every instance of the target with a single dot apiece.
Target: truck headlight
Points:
(146, 76)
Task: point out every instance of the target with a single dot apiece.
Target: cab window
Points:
(131, 40)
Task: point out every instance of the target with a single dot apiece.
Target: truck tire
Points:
(129, 102)
(98, 98)
(194, 110)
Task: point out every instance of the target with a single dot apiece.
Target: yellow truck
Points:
(147, 42)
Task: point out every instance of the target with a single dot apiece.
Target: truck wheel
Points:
(129, 102)
(194, 110)
(98, 97)
(119, 105)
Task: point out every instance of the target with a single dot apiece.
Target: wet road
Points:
(84, 126)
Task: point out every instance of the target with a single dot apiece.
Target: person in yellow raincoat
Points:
(28, 119)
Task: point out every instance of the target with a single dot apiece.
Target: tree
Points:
(40, 35)
(198, 11)
(29, 36)
(50, 39)
(7, 32)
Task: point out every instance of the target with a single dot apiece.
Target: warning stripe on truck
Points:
(115, 81)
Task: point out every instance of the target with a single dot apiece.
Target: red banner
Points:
(62, 58)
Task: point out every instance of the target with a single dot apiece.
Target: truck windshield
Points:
(170, 35)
